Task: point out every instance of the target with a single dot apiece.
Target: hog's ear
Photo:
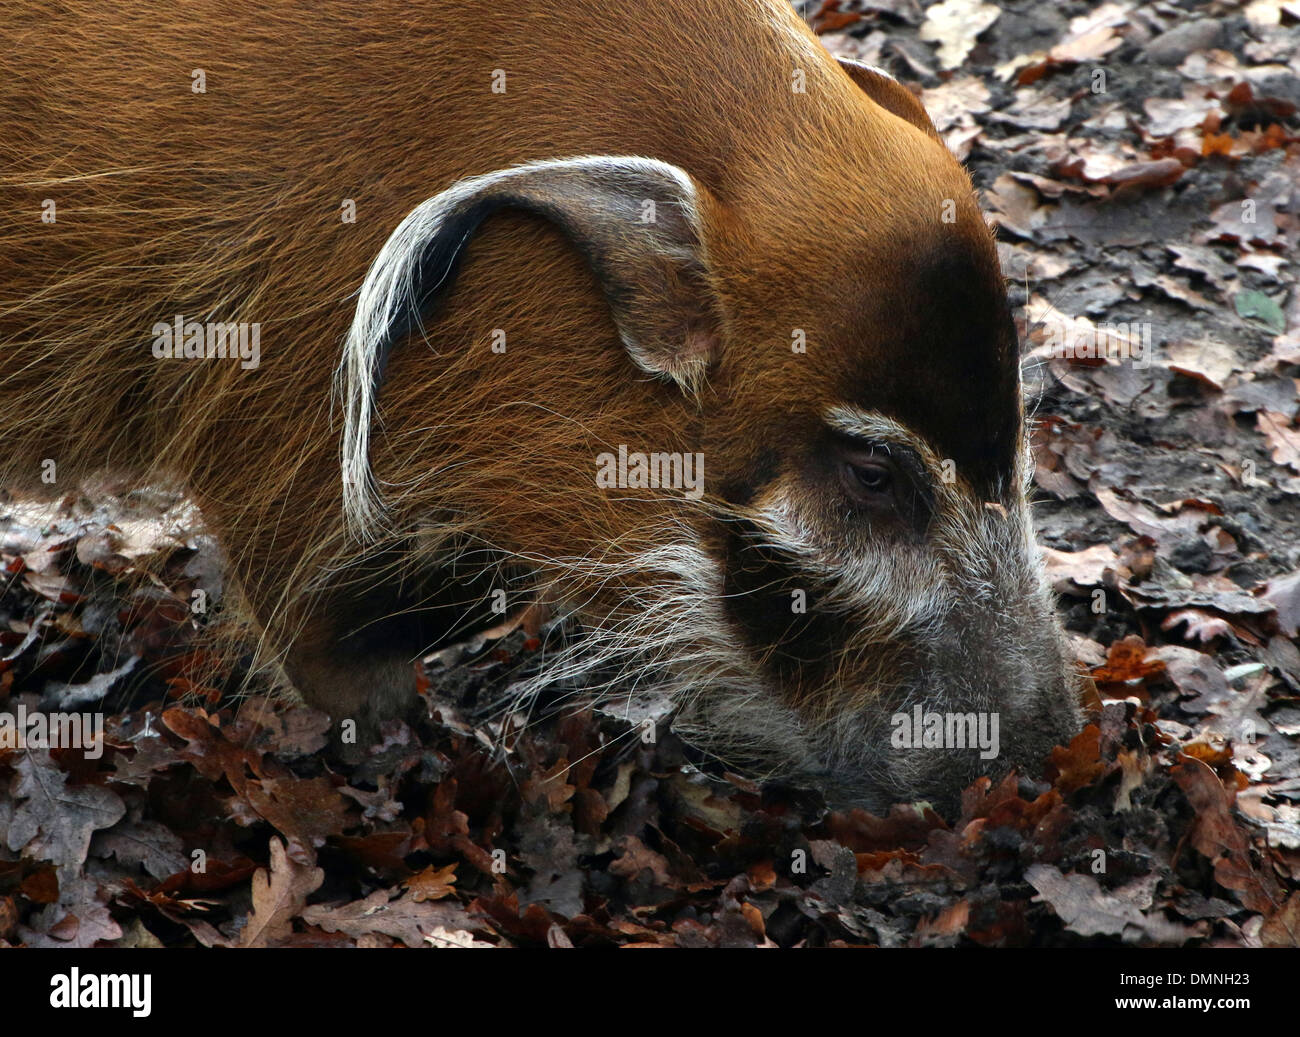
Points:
(639, 223)
(890, 94)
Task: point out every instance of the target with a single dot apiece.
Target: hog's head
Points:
(793, 494)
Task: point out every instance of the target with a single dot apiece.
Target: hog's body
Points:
(812, 304)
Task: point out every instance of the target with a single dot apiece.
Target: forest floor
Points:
(1142, 167)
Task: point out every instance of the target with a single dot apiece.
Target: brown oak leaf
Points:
(278, 898)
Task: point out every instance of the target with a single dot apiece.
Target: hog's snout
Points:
(994, 691)
(918, 665)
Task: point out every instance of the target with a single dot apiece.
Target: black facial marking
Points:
(953, 373)
(758, 474)
(760, 584)
(912, 498)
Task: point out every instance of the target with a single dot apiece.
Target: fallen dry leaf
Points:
(432, 883)
(404, 918)
(1086, 909)
(278, 898)
(54, 821)
(955, 25)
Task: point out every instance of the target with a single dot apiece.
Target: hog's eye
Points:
(872, 476)
(869, 477)
(882, 480)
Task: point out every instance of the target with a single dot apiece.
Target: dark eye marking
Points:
(881, 478)
(872, 472)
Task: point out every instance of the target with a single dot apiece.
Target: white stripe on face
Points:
(860, 423)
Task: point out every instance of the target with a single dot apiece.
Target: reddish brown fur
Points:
(228, 204)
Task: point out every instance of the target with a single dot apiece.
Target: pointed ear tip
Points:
(890, 94)
(689, 366)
